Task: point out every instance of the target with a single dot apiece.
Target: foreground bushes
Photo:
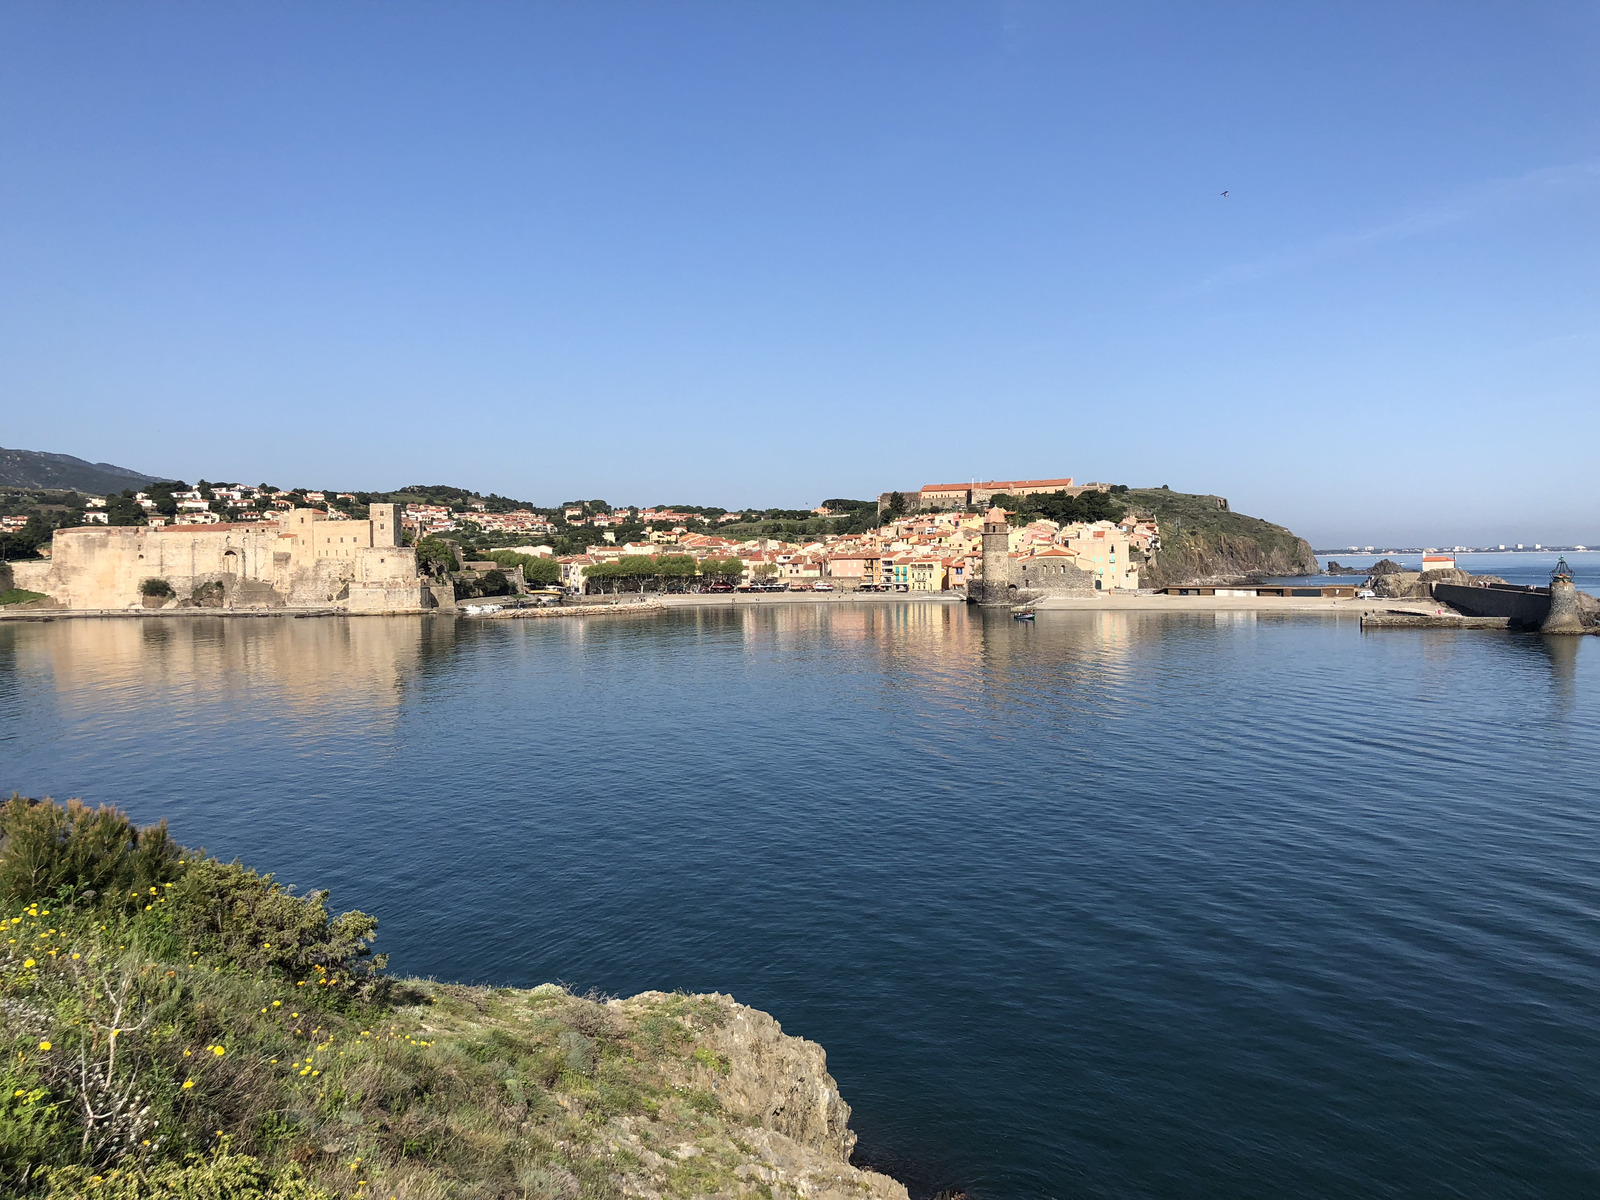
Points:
(132, 968)
(172, 1025)
(91, 854)
(222, 1177)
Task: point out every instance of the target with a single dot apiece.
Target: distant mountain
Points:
(38, 469)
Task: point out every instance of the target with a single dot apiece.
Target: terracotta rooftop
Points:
(998, 485)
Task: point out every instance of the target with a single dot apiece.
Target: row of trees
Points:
(1063, 507)
(667, 573)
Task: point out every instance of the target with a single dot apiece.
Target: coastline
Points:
(1103, 602)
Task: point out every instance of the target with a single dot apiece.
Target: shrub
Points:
(224, 1176)
(156, 588)
(231, 912)
(46, 850)
(223, 909)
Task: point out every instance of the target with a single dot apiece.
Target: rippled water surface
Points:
(1109, 905)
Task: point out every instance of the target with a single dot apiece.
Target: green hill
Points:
(40, 469)
(1202, 538)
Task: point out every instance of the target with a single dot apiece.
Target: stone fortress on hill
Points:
(303, 560)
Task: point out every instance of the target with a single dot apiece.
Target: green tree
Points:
(435, 556)
(896, 506)
(536, 569)
(123, 509)
(161, 495)
(722, 570)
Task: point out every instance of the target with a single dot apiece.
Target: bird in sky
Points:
(1224, 193)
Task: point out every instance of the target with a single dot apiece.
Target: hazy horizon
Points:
(770, 255)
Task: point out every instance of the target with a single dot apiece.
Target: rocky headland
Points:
(1204, 541)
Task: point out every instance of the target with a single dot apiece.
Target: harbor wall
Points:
(1525, 606)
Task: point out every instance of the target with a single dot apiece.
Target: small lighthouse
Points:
(1564, 615)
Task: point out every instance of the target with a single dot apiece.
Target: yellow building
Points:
(927, 575)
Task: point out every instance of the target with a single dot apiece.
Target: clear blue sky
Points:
(773, 252)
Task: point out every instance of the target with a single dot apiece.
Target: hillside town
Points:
(934, 545)
(918, 552)
(416, 548)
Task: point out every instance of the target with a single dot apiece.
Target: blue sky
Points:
(769, 253)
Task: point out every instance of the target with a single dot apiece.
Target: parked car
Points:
(822, 587)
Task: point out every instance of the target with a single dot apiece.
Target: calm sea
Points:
(1526, 567)
(1108, 905)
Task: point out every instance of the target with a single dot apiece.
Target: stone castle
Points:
(301, 560)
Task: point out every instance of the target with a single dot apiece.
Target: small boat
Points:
(1025, 615)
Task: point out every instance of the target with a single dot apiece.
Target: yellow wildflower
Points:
(44, 1045)
(28, 962)
(187, 1084)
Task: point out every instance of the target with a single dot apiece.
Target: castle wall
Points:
(103, 567)
(301, 561)
(1054, 576)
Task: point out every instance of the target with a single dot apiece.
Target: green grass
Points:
(20, 596)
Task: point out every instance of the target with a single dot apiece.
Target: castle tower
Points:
(996, 557)
(385, 520)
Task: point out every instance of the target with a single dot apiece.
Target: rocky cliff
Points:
(658, 1095)
(1202, 539)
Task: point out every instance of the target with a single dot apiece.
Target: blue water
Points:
(1111, 905)
(1528, 567)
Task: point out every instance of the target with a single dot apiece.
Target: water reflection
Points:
(314, 667)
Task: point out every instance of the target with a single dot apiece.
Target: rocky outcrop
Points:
(1218, 559)
(1204, 541)
(1398, 585)
(1418, 585)
(655, 1096)
(792, 1124)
